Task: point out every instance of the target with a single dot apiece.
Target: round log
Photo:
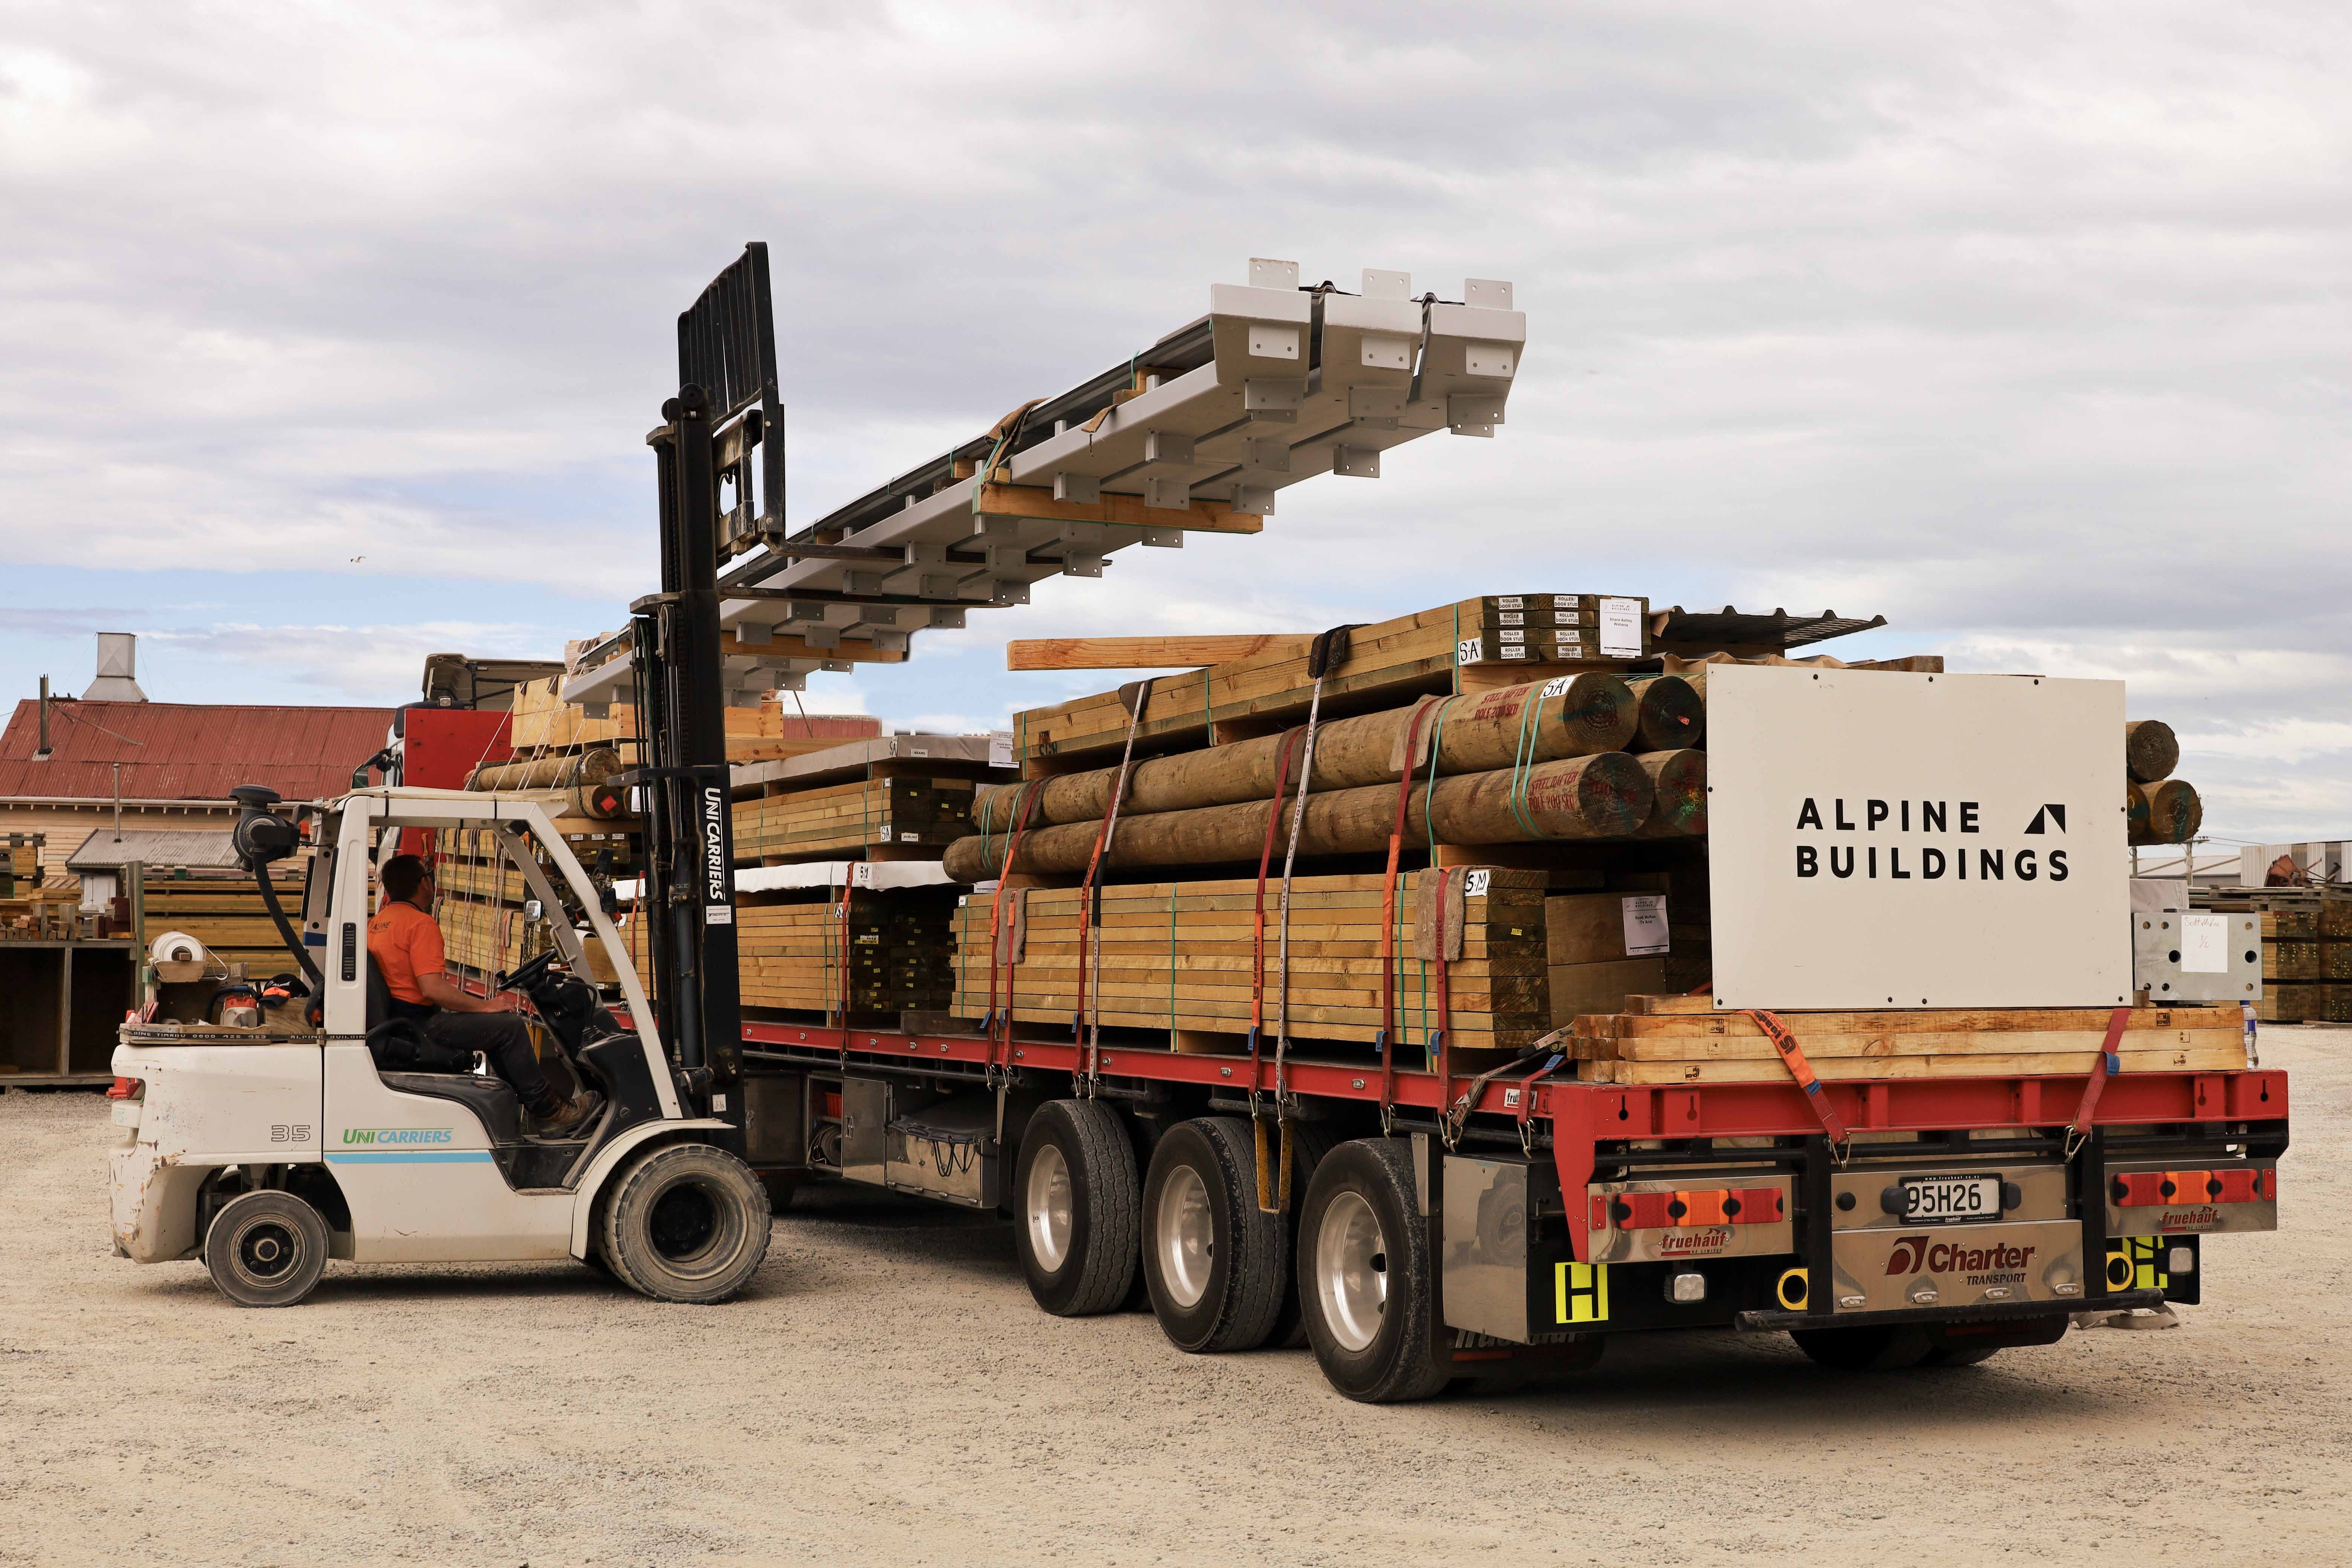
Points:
(1589, 714)
(1603, 797)
(1668, 712)
(2175, 813)
(1679, 780)
(565, 771)
(2151, 751)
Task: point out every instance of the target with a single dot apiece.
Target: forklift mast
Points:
(714, 430)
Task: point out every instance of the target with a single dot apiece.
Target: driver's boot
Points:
(568, 1117)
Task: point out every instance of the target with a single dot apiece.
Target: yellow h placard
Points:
(1583, 1292)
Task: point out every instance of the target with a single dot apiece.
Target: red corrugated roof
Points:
(185, 751)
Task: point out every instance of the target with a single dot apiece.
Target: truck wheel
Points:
(266, 1250)
(1075, 1209)
(686, 1223)
(1889, 1348)
(1212, 1258)
(1364, 1269)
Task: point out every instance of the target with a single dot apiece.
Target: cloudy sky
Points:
(330, 334)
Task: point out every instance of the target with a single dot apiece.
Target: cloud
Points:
(2024, 324)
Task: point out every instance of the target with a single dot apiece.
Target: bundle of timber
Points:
(1682, 1039)
(1522, 764)
(846, 952)
(544, 726)
(223, 910)
(903, 797)
(480, 904)
(1473, 645)
(1202, 961)
(20, 864)
(2306, 950)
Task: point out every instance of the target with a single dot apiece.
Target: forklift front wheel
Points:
(266, 1250)
(687, 1222)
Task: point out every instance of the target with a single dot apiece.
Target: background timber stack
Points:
(1682, 1039)
(223, 910)
(544, 725)
(1181, 957)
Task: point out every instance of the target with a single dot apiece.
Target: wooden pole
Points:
(2168, 811)
(573, 768)
(1670, 711)
(1608, 795)
(2151, 751)
(1679, 778)
(1593, 713)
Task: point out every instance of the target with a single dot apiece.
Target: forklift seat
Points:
(490, 1098)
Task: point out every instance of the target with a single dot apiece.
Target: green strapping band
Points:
(1523, 758)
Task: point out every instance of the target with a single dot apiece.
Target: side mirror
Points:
(260, 836)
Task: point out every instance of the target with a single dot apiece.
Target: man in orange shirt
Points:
(406, 943)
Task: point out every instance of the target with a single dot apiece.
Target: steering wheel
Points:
(528, 974)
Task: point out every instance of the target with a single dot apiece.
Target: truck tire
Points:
(1076, 1212)
(685, 1222)
(1213, 1260)
(266, 1250)
(1364, 1274)
(1888, 1348)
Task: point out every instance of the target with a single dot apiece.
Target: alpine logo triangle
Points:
(2054, 816)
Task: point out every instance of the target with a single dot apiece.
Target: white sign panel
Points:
(1883, 840)
(1646, 925)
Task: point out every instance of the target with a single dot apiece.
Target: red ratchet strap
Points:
(2078, 1130)
(997, 956)
(1801, 1071)
(1528, 1096)
(1388, 915)
(1089, 924)
(1258, 934)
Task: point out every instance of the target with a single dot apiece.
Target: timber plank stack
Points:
(897, 797)
(2306, 954)
(875, 952)
(479, 903)
(1682, 1039)
(223, 910)
(545, 725)
(1184, 957)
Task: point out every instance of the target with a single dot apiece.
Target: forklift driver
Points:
(406, 943)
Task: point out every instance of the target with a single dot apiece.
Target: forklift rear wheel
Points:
(1076, 1209)
(1213, 1258)
(266, 1250)
(1364, 1274)
(1888, 1348)
(687, 1222)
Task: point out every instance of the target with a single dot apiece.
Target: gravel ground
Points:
(886, 1394)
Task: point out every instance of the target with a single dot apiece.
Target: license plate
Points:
(1941, 1199)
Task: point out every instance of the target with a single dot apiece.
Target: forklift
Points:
(268, 1149)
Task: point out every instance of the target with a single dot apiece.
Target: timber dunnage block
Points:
(1679, 1044)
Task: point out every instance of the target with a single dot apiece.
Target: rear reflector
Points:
(124, 1089)
(1689, 1209)
(2146, 1189)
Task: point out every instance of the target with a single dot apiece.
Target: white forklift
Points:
(267, 1151)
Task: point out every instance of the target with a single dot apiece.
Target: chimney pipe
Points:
(118, 659)
(42, 754)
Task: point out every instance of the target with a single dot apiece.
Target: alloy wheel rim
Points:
(1187, 1236)
(1048, 1205)
(1351, 1275)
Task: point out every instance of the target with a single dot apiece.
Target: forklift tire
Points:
(266, 1250)
(1365, 1275)
(1076, 1212)
(1212, 1259)
(685, 1222)
(1888, 1348)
